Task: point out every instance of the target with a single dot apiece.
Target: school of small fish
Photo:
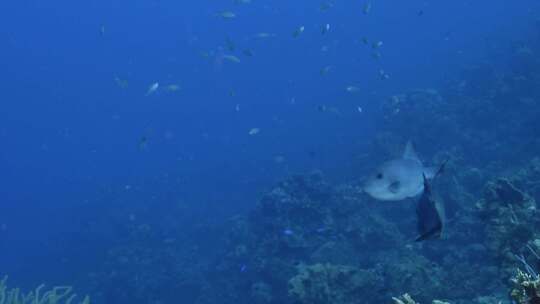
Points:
(239, 52)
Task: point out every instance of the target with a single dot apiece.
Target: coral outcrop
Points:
(327, 283)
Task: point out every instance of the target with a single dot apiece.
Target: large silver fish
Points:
(400, 178)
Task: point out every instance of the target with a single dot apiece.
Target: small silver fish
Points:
(227, 15)
(367, 8)
(352, 89)
(231, 58)
(325, 28)
(376, 44)
(264, 35)
(325, 70)
(254, 131)
(298, 31)
(152, 88)
(243, 268)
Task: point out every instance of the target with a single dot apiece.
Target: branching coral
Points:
(407, 299)
(56, 295)
(404, 299)
(526, 288)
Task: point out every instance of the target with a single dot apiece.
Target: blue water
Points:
(79, 153)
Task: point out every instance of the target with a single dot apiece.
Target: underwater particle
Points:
(102, 30)
(263, 35)
(420, 13)
(243, 1)
(143, 143)
(383, 75)
(278, 159)
(247, 53)
(232, 93)
(324, 48)
(359, 109)
(122, 83)
(365, 40)
(298, 31)
(325, 70)
(152, 89)
(322, 229)
(288, 231)
(229, 44)
(226, 15)
(237, 107)
(325, 6)
(376, 55)
(205, 54)
(325, 108)
(169, 240)
(367, 8)
(352, 89)
(254, 131)
(243, 268)
(231, 58)
(168, 135)
(172, 87)
(325, 29)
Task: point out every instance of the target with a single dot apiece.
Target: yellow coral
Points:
(56, 295)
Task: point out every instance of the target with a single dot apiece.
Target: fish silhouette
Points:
(429, 212)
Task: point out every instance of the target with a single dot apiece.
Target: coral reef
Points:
(510, 217)
(308, 241)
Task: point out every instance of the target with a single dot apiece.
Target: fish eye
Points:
(379, 176)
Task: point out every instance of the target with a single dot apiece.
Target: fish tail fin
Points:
(441, 167)
(435, 233)
(433, 172)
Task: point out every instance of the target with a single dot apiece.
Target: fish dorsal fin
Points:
(409, 152)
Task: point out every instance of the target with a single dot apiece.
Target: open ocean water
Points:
(252, 151)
